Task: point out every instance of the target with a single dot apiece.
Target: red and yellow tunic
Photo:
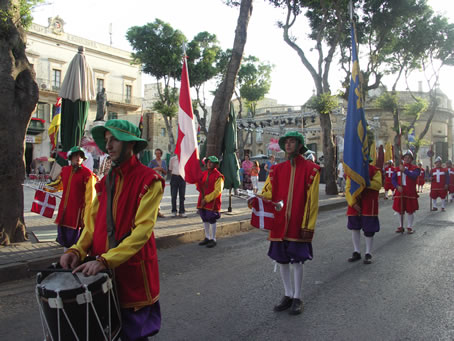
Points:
(78, 195)
(439, 182)
(406, 179)
(451, 180)
(138, 192)
(369, 196)
(296, 184)
(388, 173)
(210, 188)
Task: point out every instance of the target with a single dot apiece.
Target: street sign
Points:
(430, 153)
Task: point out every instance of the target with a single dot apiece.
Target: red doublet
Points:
(451, 180)
(421, 178)
(72, 204)
(206, 186)
(409, 194)
(290, 183)
(138, 278)
(368, 199)
(388, 185)
(438, 185)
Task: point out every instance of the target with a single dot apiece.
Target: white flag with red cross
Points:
(44, 203)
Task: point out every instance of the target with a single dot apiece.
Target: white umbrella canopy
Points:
(79, 81)
(77, 90)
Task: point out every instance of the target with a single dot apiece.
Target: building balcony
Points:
(36, 126)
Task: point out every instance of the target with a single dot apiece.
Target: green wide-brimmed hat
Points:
(213, 159)
(295, 135)
(76, 149)
(122, 130)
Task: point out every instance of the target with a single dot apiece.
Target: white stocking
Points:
(443, 203)
(285, 275)
(434, 202)
(297, 279)
(411, 218)
(213, 231)
(356, 235)
(369, 243)
(206, 226)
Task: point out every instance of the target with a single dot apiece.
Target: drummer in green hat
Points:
(293, 188)
(119, 231)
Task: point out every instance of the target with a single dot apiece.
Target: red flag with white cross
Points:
(44, 203)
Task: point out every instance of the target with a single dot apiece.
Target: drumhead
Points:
(66, 281)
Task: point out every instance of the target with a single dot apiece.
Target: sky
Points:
(291, 82)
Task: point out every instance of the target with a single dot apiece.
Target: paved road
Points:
(227, 293)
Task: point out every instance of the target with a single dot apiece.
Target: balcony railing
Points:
(36, 126)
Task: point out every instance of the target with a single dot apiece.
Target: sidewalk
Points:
(16, 260)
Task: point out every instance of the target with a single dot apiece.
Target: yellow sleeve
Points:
(90, 195)
(375, 182)
(266, 190)
(86, 238)
(144, 222)
(348, 197)
(57, 185)
(218, 187)
(311, 209)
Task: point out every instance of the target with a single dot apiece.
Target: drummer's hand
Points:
(90, 268)
(69, 260)
(203, 202)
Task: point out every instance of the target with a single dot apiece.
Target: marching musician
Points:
(119, 231)
(388, 174)
(295, 182)
(78, 185)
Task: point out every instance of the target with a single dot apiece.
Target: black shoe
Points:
(297, 307)
(356, 256)
(211, 243)
(204, 242)
(285, 303)
(367, 258)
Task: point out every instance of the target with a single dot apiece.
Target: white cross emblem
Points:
(389, 172)
(261, 213)
(404, 177)
(44, 204)
(437, 174)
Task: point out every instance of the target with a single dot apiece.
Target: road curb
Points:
(22, 269)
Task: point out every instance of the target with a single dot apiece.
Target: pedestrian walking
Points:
(295, 183)
(78, 185)
(119, 231)
(247, 165)
(363, 215)
(209, 203)
(405, 196)
(439, 184)
(340, 177)
(159, 166)
(255, 176)
(177, 187)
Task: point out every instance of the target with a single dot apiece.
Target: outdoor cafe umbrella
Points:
(77, 90)
(230, 165)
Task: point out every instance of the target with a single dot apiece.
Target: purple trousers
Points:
(369, 224)
(209, 216)
(67, 237)
(290, 252)
(139, 325)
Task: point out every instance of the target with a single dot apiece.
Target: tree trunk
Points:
(330, 168)
(221, 102)
(169, 127)
(17, 102)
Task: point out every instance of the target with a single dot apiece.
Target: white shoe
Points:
(175, 214)
(182, 215)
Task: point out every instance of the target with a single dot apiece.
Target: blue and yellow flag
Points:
(356, 150)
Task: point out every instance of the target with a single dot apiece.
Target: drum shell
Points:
(77, 313)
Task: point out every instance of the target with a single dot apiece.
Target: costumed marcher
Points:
(119, 231)
(439, 184)
(159, 166)
(295, 183)
(363, 215)
(78, 185)
(209, 203)
(405, 196)
(451, 180)
(177, 186)
(421, 178)
(388, 175)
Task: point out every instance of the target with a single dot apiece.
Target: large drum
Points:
(75, 307)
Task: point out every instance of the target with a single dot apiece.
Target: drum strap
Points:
(110, 187)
